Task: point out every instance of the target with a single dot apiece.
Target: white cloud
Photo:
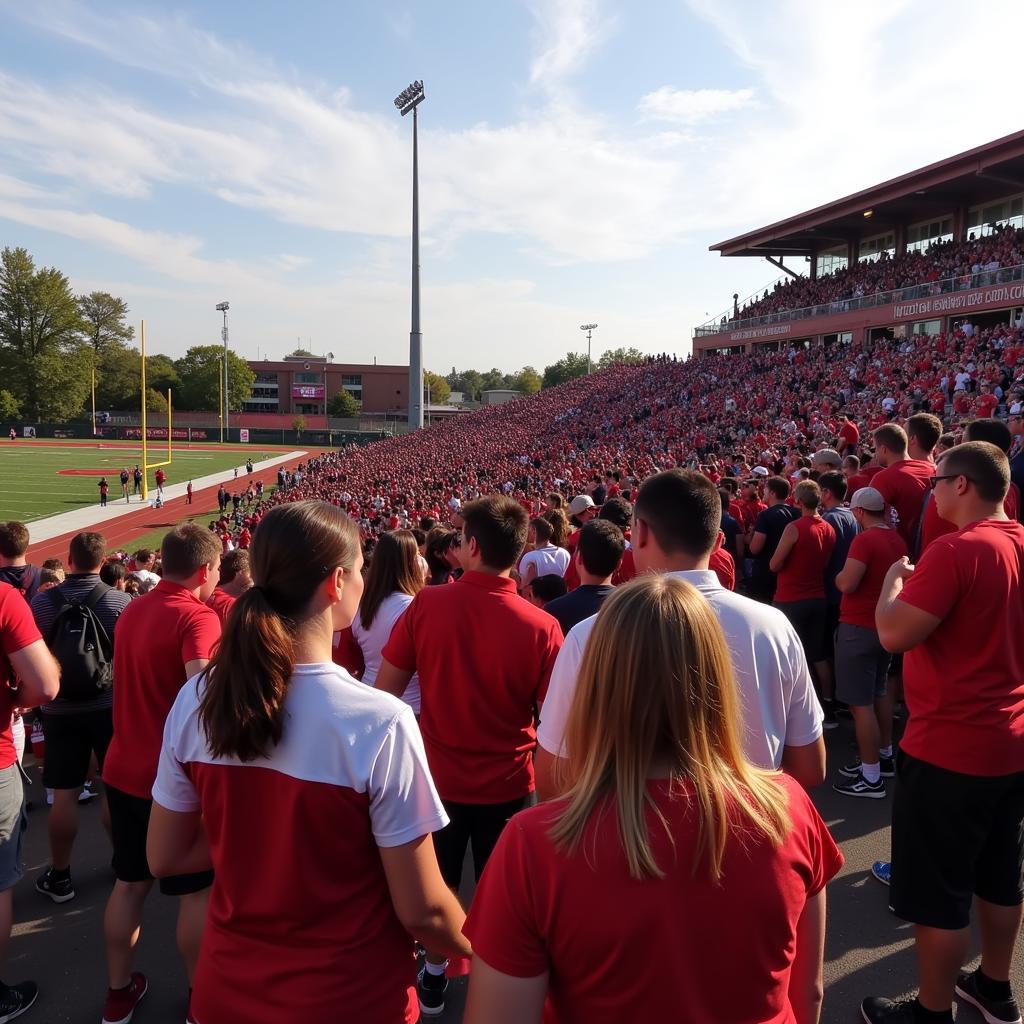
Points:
(568, 31)
(691, 106)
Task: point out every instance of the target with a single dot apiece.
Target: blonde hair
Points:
(656, 696)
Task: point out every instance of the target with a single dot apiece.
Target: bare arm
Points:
(194, 667)
(427, 908)
(786, 543)
(757, 542)
(496, 998)
(850, 576)
(176, 844)
(38, 672)
(900, 625)
(806, 987)
(391, 679)
(547, 769)
(806, 764)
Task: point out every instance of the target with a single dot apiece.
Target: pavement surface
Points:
(868, 950)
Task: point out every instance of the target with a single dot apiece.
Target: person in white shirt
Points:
(144, 562)
(544, 559)
(394, 578)
(677, 517)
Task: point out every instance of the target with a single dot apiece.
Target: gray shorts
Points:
(12, 826)
(862, 664)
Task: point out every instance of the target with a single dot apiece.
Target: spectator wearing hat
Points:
(581, 510)
(862, 663)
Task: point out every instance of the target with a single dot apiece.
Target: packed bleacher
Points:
(943, 266)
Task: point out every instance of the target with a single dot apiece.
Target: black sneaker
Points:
(886, 765)
(16, 999)
(995, 1011)
(60, 890)
(430, 989)
(861, 787)
(876, 1010)
(828, 707)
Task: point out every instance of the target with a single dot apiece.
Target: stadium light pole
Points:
(589, 328)
(408, 100)
(329, 358)
(223, 307)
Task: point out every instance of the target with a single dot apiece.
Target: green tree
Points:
(344, 406)
(302, 353)
(528, 381)
(495, 380)
(615, 356)
(161, 374)
(10, 408)
(200, 369)
(573, 365)
(440, 389)
(41, 330)
(105, 320)
(299, 425)
(156, 405)
(470, 383)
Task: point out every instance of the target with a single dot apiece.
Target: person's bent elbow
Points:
(805, 763)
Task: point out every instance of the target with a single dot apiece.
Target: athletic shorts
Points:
(129, 823)
(71, 740)
(808, 619)
(954, 837)
(862, 665)
(831, 625)
(12, 827)
(475, 825)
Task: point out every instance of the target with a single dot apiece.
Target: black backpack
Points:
(82, 646)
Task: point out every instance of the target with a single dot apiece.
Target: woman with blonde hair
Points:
(674, 881)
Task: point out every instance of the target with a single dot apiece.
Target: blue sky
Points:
(577, 157)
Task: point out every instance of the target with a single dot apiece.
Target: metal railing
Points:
(925, 290)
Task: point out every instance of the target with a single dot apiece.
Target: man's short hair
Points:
(13, 539)
(893, 436)
(143, 555)
(947, 441)
(601, 547)
(682, 509)
(926, 429)
(499, 526)
(826, 457)
(542, 528)
(186, 549)
(548, 587)
(835, 483)
(992, 430)
(87, 551)
(233, 564)
(851, 462)
(985, 465)
(617, 510)
(779, 487)
(807, 494)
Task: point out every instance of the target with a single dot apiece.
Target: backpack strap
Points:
(915, 551)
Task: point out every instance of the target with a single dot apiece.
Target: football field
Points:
(41, 478)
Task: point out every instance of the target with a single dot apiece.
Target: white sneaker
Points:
(87, 794)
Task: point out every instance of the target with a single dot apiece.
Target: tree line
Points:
(53, 341)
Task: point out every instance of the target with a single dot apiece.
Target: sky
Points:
(577, 157)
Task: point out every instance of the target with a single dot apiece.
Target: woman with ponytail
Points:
(309, 794)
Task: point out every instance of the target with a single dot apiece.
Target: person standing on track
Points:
(312, 917)
(188, 493)
(160, 476)
(171, 635)
(104, 491)
(124, 483)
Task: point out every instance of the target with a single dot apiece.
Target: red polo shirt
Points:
(18, 630)
(156, 635)
(903, 485)
(221, 603)
(484, 657)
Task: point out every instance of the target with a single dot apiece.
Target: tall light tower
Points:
(589, 328)
(329, 358)
(409, 99)
(223, 307)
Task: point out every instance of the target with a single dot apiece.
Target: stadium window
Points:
(831, 260)
(871, 249)
(929, 327)
(922, 236)
(307, 378)
(983, 220)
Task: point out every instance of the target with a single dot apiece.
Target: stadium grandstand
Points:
(920, 254)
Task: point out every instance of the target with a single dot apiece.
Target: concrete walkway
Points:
(93, 515)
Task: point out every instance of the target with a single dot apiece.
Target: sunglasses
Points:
(933, 480)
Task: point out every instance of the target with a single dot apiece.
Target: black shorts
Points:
(954, 837)
(129, 823)
(71, 740)
(478, 825)
(808, 619)
(831, 625)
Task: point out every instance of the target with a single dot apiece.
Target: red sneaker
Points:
(121, 1003)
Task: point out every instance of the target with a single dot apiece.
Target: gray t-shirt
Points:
(108, 610)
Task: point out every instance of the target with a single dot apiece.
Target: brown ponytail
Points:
(294, 549)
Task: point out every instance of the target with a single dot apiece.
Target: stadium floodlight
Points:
(223, 307)
(589, 328)
(329, 358)
(409, 99)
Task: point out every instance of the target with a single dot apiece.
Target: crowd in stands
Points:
(943, 266)
(641, 597)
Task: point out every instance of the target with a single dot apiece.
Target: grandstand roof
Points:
(988, 172)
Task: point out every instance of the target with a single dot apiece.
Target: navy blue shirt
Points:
(578, 604)
(842, 521)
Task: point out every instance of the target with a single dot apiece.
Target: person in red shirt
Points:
(29, 676)
(699, 813)
(188, 493)
(849, 436)
(478, 701)
(235, 579)
(162, 639)
(959, 615)
(160, 476)
(907, 458)
(800, 560)
(862, 663)
(316, 800)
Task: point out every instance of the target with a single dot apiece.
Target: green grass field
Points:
(32, 485)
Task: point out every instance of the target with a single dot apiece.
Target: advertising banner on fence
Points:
(243, 435)
(160, 434)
